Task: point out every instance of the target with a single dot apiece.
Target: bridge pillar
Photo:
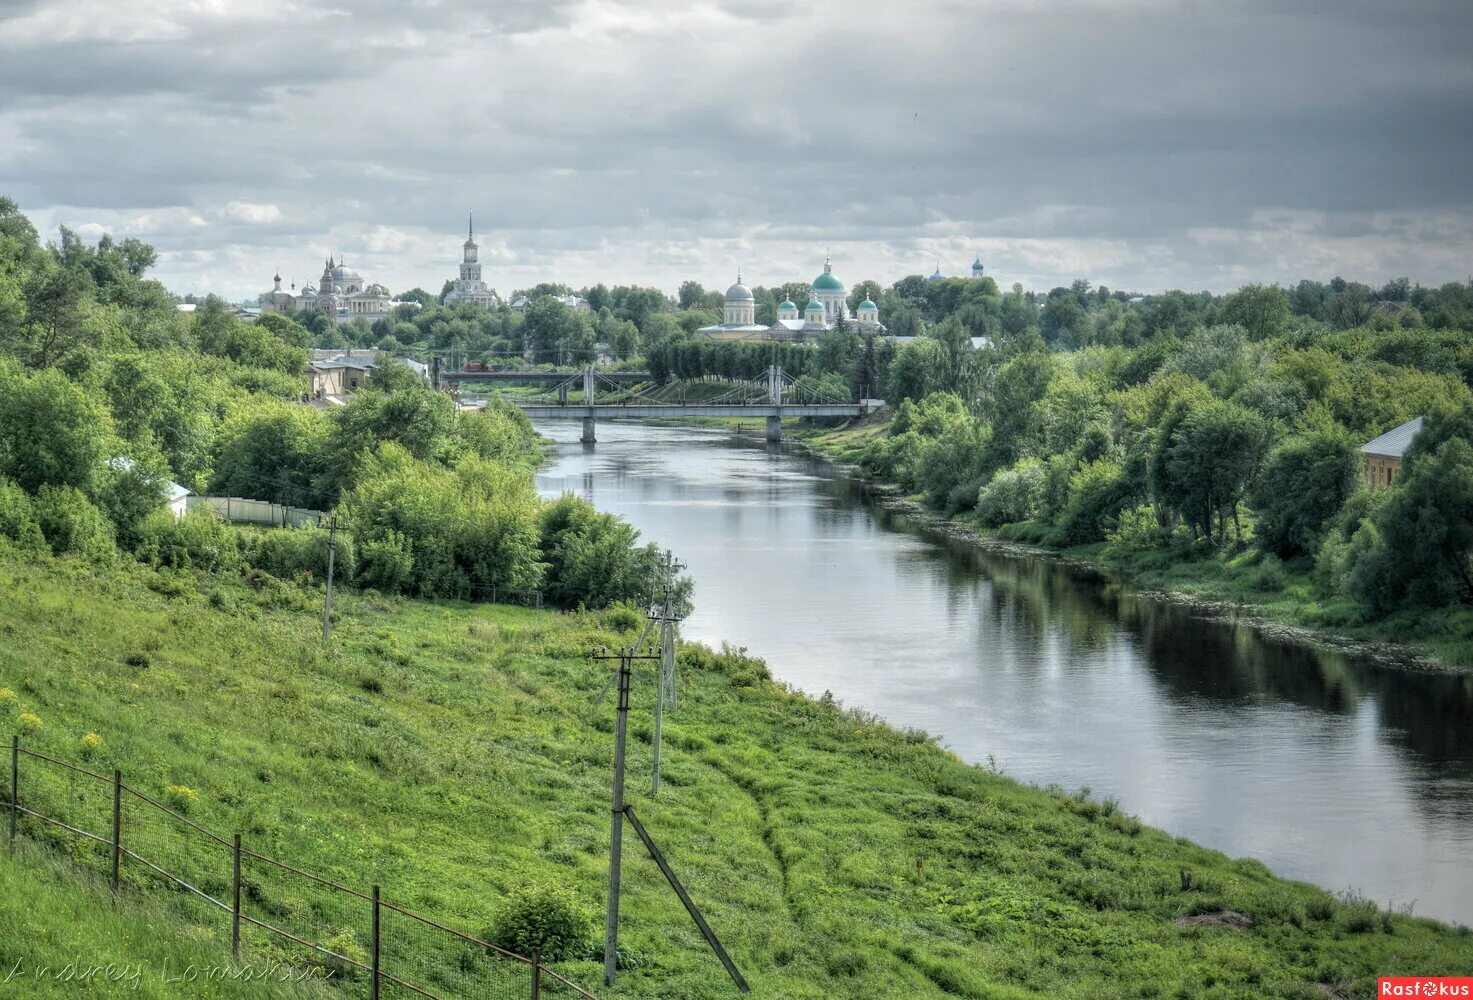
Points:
(588, 386)
(562, 394)
(774, 428)
(588, 437)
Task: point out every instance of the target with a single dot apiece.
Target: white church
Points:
(341, 294)
(826, 309)
(469, 287)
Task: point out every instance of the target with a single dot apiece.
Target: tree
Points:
(1418, 547)
(1208, 458)
(1262, 310)
(51, 431)
(56, 300)
(692, 295)
(595, 559)
(1306, 481)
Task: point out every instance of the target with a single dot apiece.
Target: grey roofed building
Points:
(1395, 442)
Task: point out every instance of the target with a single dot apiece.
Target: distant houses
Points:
(337, 373)
(1383, 455)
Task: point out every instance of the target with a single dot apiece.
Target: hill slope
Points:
(449, 753)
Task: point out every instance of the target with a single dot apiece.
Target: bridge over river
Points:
(774, 396)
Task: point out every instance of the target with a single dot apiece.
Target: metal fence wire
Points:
(271, 907)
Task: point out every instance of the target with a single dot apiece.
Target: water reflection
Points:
(1324, 767)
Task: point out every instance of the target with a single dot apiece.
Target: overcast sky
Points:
(1140, 144)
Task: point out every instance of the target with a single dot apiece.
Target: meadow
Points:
(450, 753)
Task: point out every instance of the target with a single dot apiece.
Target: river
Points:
(1336, 771)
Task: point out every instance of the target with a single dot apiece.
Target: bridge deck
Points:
(613, 411)
(624, 378)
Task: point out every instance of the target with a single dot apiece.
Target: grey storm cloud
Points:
(1139, 143)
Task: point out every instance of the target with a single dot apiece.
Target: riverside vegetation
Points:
(446, 748)
(448, 751)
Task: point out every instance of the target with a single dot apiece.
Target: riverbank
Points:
(449, 752)
(1278, 600)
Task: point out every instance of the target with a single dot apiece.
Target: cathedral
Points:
(826, 309)
(469, 287)
(341, 293)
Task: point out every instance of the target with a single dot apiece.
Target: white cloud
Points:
(1137, 143)
(252, 213)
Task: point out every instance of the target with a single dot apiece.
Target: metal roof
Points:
(1395, 442)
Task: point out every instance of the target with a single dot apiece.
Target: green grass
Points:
(63, 935)
(449, 753)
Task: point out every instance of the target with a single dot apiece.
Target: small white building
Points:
(175, 496)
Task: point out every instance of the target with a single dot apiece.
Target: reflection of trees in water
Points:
(1195, 659)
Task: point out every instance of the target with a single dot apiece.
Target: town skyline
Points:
(1139, 145)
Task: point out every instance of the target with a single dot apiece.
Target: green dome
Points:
(827, 282)
(867, 304)
(788, 304)
(815, 304)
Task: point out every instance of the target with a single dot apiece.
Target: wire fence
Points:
(270, 907)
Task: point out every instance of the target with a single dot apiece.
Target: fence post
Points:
(235, 912)
(536, 974)
(14, 787)
(374, 990)
(117, 827)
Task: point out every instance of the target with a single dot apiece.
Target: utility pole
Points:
(626, 660)
(332, 548)
(665, 687)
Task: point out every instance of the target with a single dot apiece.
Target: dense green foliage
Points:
(448, 753)
(107, 392)
(1204, 429)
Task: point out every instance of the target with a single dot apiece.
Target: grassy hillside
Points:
(62, 936)
(449, 753)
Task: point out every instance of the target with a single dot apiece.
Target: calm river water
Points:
(1326, 769)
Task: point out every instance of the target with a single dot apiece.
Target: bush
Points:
(1097, 492)
(594, 559)
(386, 564)
(287, 553)
(198, 540)
(1013, 494)
(180, 798)
(72, 524)
(546, 917)
(18, 518)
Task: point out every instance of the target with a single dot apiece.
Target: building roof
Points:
(867, 304)
(815, 304)
(788, 304)
(739, 292)
(1395, 442)
(172, 490)
(828, 282)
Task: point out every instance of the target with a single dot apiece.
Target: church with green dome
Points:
(827, 307)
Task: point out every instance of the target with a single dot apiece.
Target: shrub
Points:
(543, 916)
(386, 564)
(18, 517)
(30, 723)
(198, 540)
(287, 553)
(181, 798)
(1013, 494)
(72, 524)
(9, 700)
(90, 746)
(1097, 492)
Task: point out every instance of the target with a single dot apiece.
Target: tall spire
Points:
(828, 261)
(470, 225)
